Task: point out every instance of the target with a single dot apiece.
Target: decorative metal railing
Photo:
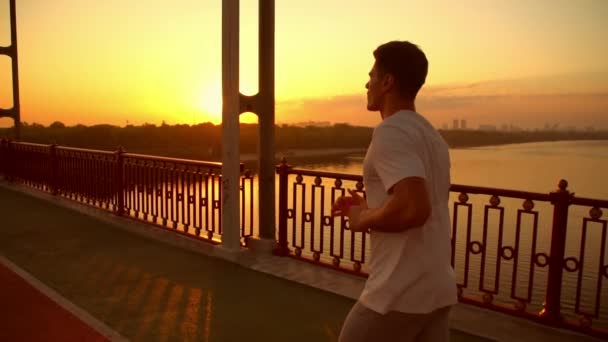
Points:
(533, 255)
(178, 194)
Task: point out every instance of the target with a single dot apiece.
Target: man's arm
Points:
(408, 206)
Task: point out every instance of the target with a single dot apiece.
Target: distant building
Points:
(313, 124)
(445, 127)
(455, 124)
(489, 128)
(463, 124)
(516, 128)
(504, 127)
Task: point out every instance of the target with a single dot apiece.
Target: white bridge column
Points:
(230, 125)
(235, 103)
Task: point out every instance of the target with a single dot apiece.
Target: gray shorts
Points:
(365, 325)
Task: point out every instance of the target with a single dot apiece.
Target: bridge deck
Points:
(146, 290)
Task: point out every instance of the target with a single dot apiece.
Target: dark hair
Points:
(406, 62)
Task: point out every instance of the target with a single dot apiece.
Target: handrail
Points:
(455, 187)
(13, 143)
(499, 192)
(83, 150)
(327, 174)
(215, 165)
(592, 202)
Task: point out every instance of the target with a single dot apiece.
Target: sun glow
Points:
(211, 103)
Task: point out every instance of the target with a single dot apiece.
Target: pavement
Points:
(142, 289)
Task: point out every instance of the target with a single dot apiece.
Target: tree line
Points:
(203, 141)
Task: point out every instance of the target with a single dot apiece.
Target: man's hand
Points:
(351, 206)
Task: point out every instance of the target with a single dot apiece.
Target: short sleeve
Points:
(394, 156)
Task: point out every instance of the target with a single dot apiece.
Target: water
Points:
(535, 167)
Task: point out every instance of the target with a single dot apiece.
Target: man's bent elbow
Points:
(421, 216)
(414, 218)
(423, 211)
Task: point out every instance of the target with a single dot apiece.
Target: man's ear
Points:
(388, 82)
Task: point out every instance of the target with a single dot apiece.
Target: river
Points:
(535, 167)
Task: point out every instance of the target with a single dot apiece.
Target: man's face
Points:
(374, 90)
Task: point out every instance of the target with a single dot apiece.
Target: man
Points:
(406, 173)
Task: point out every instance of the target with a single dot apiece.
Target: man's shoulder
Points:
(407, 120)
(391, 131)
(412, 125)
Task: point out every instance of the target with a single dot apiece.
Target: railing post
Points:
(560, 199)
(282, 248)
(120, 182)
(3, 158)
(9, 161)
(53, 156)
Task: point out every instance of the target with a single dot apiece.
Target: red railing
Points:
(178, 194)
(34, 166)
(509, 263)
(87, 176)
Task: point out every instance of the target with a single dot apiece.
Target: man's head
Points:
(399, 71)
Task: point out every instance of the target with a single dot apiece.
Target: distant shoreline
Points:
(203, 142)
(298, 154)
(303, 153)
(523, 142)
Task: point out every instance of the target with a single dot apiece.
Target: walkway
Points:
(149, 291)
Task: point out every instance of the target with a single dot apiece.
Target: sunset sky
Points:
(497, 62)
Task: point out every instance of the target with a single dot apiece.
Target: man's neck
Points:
(390, 108)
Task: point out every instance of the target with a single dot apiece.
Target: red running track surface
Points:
(26, 314)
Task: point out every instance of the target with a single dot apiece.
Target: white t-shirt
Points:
(409, 271)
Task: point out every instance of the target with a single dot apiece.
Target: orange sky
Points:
(491, 62)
